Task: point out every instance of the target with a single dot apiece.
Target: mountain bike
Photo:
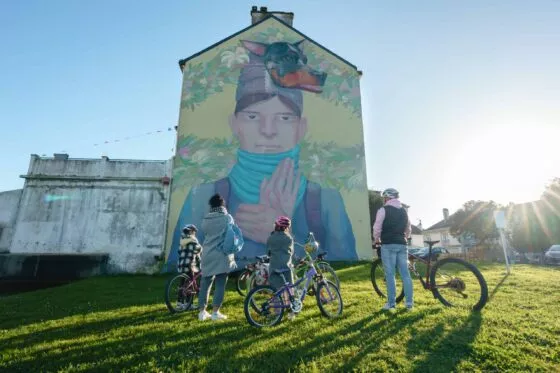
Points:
(180, 292)
(453, 281)
(265, 305)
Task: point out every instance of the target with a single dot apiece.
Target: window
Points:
(444, 237)
(427, 237)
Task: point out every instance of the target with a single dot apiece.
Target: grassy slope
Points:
(117, 323)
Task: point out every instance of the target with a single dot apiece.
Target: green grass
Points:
(121, 323)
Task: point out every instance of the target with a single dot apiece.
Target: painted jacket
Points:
(339, 242)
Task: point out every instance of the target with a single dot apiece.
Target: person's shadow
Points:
(444, 350)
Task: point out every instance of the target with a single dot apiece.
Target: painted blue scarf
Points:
(250, 170)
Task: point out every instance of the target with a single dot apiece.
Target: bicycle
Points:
(267, 302)
(181, 299)
(450, 290)
(322, 267)
(253, 274)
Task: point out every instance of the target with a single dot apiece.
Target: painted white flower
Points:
(203, 81)
(239, 56)
(336, 71)
(199, 155)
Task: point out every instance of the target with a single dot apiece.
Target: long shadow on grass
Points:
(363, 333)
(443, 351)
(101, 346)
(498, 285)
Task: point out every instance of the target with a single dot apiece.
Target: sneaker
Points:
(192, 307)
(203, 315)
(218, 316)
(409, 307)
(387, 307)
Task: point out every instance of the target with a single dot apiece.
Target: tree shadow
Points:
(444, 351)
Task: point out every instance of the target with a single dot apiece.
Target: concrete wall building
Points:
(92, 206)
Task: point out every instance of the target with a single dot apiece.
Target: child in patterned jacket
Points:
(189, 255)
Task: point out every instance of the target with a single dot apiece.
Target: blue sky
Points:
(460, 99)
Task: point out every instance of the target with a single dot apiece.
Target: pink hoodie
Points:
(381, 216)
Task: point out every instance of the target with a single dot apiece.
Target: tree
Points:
(475, 222)
(375, 203)
(536, 226)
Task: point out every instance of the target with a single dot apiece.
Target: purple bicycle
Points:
(265, 306)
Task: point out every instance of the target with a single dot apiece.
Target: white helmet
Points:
(390, 193)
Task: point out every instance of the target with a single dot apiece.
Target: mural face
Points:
(272, 123)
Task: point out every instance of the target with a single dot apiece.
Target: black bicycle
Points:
(453, 281)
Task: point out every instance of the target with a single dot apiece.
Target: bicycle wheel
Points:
(329, 300)
(262, 308)
(377, 276)
(179, 293)
(457, 283)
(328, 273)
(242, 283)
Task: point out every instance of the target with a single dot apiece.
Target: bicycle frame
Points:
(192, 285)
(289, 287)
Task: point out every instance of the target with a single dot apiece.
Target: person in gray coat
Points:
(215, 265)
(280, 247)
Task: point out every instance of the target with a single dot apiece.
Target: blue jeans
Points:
(396, 256)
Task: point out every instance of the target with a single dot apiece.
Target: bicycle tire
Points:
(171, 296)
(374, 265)
(483, 285)
(250, 303)
(241, 285)
(335, 292)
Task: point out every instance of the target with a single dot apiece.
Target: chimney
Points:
(419, 225)
(446, 214)
(258, 15)
(60, 156)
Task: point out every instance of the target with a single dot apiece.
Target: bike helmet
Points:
(283, 222)
(390, 193)
(189, 228)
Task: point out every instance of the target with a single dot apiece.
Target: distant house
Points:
(417, 236)
(441, 232)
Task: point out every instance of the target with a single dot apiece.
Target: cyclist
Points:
(280, 247)
(392, 229)
(188, 256)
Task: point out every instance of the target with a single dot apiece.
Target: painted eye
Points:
(251, 116)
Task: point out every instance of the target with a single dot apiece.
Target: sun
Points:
(506, 164)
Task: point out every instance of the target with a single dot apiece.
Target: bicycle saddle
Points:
(431, 243)
(282, 270)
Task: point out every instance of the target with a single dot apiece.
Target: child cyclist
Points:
(280, 246)
(189, 256)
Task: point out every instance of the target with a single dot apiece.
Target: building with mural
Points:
(271, 120)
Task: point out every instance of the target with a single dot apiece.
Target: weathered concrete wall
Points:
(9, 202)
(117, 207)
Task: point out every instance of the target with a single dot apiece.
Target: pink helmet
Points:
(283, 222)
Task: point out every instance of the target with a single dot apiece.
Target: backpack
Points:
(233, 240)
(312, 206)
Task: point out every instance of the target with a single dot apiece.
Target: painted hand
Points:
(256, 221)
(277, 197)
(280, 192)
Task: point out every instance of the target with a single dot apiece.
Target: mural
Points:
(272, 123)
